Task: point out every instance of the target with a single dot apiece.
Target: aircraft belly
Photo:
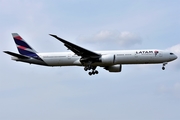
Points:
(60, 62)
(51, 62)
(139, 59)
(125, 60)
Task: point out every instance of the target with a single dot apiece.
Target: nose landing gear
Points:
(164, 64)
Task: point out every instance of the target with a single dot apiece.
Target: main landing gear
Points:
(93, 72)
(164, 64)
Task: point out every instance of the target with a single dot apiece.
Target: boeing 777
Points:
(90, 60)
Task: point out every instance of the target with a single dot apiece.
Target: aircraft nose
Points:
(175, 57)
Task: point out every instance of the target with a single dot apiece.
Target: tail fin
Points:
(23, 47)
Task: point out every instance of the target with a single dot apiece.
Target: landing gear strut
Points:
(163, 67)
(88, 68)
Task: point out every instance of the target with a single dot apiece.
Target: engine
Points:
(114, 68)
(108, 59)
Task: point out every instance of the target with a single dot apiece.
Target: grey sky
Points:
(51, 93)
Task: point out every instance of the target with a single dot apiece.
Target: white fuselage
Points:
(119, 57)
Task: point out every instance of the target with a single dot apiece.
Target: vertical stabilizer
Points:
(23, 47)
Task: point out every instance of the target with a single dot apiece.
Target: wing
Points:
(80, 51)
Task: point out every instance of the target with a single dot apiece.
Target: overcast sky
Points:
(139, 92)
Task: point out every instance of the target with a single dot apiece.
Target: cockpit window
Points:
(171, 54)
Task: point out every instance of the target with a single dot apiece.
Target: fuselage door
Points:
(160, 54)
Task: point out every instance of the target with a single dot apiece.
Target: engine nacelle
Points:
(114, 68)
(108, 59)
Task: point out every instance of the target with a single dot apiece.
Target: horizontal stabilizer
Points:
(16, 55)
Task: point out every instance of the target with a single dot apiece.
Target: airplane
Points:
(111, 61)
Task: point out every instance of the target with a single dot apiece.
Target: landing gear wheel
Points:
(90, 73)
(163, 68)
(93, 68)
(93, 73)
(85, 68)
(96, 72)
